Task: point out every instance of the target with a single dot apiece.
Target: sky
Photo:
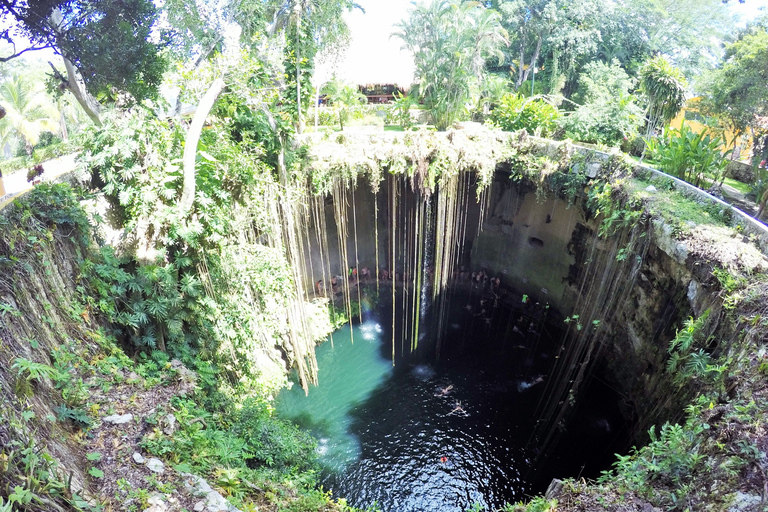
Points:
(375, 58)
(372, 56)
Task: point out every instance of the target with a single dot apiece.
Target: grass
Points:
(742, 187)
(674, 207)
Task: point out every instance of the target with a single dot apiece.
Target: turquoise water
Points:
(442, 435)
(351, 367)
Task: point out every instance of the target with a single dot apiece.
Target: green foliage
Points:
(31, 370)
(400, 112)
(692, 157)
(738, 90)
(108, 42)
(343, 97)
(28, 111)
(451, 41)
(156, 306)
(77, 417)
(664, 86)
(250, 438)
(689, 358)
(609, 113)
(515, 112)
(618, 211)
(28, 473)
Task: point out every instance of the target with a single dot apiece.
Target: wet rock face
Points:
(640, 298)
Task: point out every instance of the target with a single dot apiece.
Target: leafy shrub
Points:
(516, 112)
(609, 113)
(271, 441)
(693, 157)
(400, 112)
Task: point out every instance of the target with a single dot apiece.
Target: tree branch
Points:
(30, 49)
(190, 144)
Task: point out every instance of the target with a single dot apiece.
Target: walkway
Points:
(16, 183)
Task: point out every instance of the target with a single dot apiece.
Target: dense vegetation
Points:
(212, 280)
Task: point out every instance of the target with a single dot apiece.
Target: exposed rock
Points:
(138, 459)
(745, 502)
(650, 188)
(593, 169)
(554, 490)
(170, 424)
(187, 378)
(156, 466)
(157, 504)
(118, 419)
(212, 500)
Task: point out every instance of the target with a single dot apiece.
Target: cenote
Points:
(510, 326)
(446, 433)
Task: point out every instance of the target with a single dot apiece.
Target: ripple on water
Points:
(395, 437)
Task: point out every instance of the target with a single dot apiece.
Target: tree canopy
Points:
(738, 89)
(108, 42)
(451, 42)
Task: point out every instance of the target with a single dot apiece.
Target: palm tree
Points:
(29, 111)
(312, 26)
(664, 86)
(450, 41)
(344, 97)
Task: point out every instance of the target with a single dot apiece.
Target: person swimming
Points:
(457, 409)
(444, 391)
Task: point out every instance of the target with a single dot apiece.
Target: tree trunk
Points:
(299, 121)
(534, 58)
(76, 86)
(63, 127)
(74, 81)
(190, 144)
(521, 65)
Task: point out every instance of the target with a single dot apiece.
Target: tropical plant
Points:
(516, 112)
(344, 97)
(692, 157)
(29, 111)
(664, 87)
(609, 113)
(451, 42)
(401, 109)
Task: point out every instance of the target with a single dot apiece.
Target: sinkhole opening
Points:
(409, 430)
(499, 341)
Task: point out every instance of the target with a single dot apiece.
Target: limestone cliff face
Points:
(40, 275)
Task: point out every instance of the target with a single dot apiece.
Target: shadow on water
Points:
(441, 434)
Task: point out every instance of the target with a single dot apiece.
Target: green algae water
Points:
(348, 374)
(439, 435)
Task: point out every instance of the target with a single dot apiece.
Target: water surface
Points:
(426, 435)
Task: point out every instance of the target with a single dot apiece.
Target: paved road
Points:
(16, 182)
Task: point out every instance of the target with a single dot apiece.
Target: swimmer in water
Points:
(458, 409)
(444, 391)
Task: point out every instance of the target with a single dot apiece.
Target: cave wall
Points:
(528, 241)
(548, 249)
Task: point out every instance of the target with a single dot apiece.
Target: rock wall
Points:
(37, 289)
(548, 249)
